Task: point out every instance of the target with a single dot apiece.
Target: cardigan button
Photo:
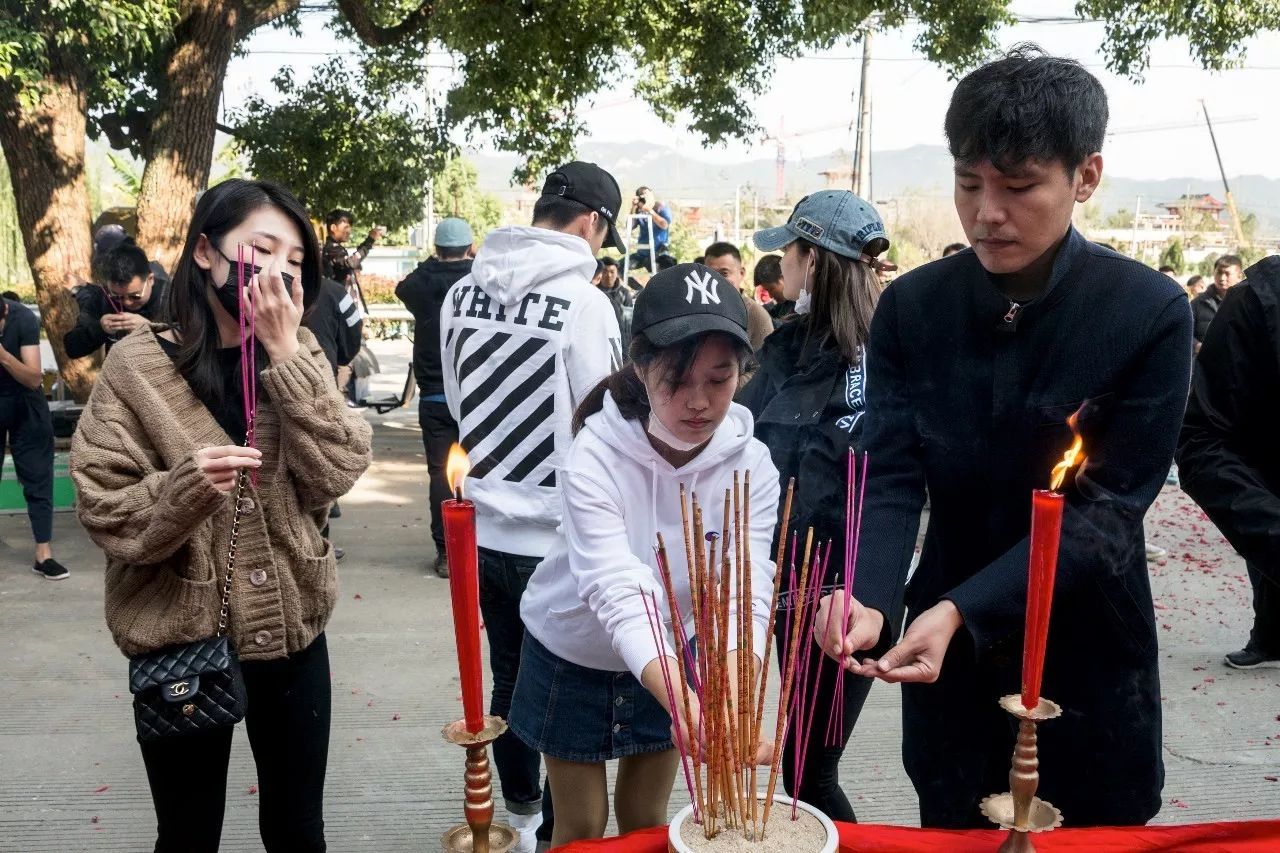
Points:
(262, 637)
(258, 577)
(247, 504)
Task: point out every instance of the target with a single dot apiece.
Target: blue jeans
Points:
(503, 578)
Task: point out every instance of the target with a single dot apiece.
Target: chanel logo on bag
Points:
(179, 688)
(704, 285)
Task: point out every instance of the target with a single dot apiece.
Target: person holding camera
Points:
(340, 264)
(128, 295)
(655, 234)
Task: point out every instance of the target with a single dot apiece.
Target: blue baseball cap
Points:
(454, 233)
(835, 220)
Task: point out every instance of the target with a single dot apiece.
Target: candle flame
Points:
(457, 467)
(1071, 458)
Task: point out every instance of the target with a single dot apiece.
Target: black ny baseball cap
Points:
(687, 300)
(593, 188)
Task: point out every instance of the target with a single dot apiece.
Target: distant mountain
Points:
(919, 170)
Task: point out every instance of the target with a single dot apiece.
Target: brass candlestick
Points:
(479, 834)
(1020, 811)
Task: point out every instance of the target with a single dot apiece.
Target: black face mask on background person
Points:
(228, 295)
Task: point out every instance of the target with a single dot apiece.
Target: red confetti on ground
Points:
(1268, 778)
(103, 788)
(358, 597)
(395, 717)
(355, 691)
(1208, 679)
(94, 819)
(369, 704)
(253, 789)
(1179, 803)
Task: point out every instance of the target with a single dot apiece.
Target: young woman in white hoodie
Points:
(590, 687)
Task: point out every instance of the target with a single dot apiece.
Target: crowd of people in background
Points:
(587, 387)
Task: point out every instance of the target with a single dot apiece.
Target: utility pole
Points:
(1231, 201)
(862, 145)
(1133, 237)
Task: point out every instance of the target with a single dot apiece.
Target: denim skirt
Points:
(575, 713)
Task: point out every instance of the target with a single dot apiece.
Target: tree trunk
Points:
(181, 150)
(44, 146)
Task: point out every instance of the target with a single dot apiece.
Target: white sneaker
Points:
(1155, 552)
(526, 827)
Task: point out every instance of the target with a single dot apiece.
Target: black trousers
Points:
(25, 424)
(1265, 636)
(287, 720)
(503, 578)
(439, 432)
(820, 783)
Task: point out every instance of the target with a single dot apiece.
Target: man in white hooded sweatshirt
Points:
(524, 338)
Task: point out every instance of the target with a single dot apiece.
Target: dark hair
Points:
(952, 248)
(1027, 105)
(768, 270)
(557, 212)
(451, 253)
(1228, 261)
(666, 262)
(336, 215)
(626, 387)
(11, 294)
(1194, 280)
(1167, 269)
(720, 249)
(609, 262)
(700, 259)
(845, 293)
(220, 210)
(122, 264)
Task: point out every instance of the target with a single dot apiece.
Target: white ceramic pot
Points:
(676, 843)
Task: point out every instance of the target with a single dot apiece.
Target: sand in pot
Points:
(782, 835)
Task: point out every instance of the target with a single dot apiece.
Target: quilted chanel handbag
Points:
(193, 687)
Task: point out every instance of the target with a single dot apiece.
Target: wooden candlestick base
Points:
(479, 834)
(1020, 811)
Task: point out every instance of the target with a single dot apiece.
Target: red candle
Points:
(1042, 568)
(464, 587)
(1046, 530)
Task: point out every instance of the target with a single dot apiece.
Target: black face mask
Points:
(228, 295)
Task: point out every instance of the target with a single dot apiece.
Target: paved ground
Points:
(73, 780)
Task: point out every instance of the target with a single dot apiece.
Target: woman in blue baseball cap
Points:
(808, 400)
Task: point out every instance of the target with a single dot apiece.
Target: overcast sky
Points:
(811, 98)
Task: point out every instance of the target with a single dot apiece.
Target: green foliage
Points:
(335, 142)
(1172, 256)
(457, 193)
(100, 40)
(1215, 30)
(130, 179)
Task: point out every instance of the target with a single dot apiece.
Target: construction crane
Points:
(1231, 201)
(780, 161)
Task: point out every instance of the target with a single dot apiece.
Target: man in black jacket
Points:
(337, 323)
(1228, 455)
(423, 292)
(339, 263)
(975, 363)
(1227, 271)
(126, 295)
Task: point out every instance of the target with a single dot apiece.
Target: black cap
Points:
(687, 300)
(593, 188)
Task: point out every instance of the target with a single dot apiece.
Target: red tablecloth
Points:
(1259, 836)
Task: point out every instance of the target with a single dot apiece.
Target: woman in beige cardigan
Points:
(155, 460)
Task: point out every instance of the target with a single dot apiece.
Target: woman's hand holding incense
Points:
(684, 732)
(222, 464)
(918, 655)
(277, 313)
(841, 638)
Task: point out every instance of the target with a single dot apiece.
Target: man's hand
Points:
(122, 323)
(378, 232)
(843, 626)
(918, 655)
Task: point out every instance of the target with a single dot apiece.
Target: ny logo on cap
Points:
(705, 285)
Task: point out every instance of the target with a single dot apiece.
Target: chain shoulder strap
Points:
(231, 553)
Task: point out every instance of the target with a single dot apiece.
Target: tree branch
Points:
(255, 18)
(376, 36)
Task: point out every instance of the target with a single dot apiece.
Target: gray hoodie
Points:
(523, 339)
